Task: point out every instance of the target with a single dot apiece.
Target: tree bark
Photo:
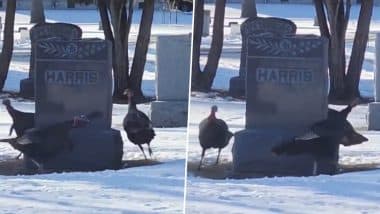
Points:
(7, 49)
(102, 7)
(322, 20)
(211, 67)
(141, 50)
(344, 86)
(338, 48)
(358, 49)
(248, 9)
(37, 14)
(116, 13)
(197, 40)
(121, 68)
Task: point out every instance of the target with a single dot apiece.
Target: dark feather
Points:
(21, 120)
(138, 126)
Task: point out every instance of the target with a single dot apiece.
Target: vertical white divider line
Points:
(188, 114)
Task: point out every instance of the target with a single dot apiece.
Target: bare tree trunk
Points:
(344, 86)
(115, 13)
(358, 49)
(37, 14)
(197, 40)
(322, 20)
(121, 78)
(141, 50)
(337, 14)
(108, 35)
(211, 67)
(102, 6)
(7, 49)
(248, 9)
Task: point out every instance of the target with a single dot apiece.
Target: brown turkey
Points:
(213, 133)
(42, 144)
(21, 120)
(137, 125)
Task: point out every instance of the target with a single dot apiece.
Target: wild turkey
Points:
(336, 123)
(332, 132)
(213, 133)
(21, 120)
(42, 144)
(137, 125)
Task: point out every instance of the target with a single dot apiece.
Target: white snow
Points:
(355, 192)
(149, 189)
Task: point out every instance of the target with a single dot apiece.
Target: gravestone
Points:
(74, 78)
(206, 23)
(172, 81)
(286, 92)
(100, 27)
(235, 29)
(257, 26)
(1, 27)
(374, 108)
(24, 34)
(44, 31)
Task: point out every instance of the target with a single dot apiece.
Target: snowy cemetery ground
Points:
(147, 189)
(355, 190)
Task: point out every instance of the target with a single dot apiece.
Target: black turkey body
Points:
(43, 144)
(21, 120)
(138, 126)
(330, 133)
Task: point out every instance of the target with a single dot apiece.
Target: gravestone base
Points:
(252, 155)
(237, 86)
(169, 113)
(27, 88)
(374, 116)
(93, 149)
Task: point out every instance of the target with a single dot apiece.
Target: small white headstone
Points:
(24, 34)
(1, 27)
(173, 60)
(206, 23)
(100, 25)
(377, 74)
(172, 76)
(374, 108)
(235, 29)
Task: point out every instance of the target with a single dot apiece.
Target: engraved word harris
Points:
(283, 76)
(71, 77)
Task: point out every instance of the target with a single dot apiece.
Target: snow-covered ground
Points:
(355, 192)
(149, 189)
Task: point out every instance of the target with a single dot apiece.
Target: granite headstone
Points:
(286, 91)
(63, 31)
(258, 27)
(74, 78)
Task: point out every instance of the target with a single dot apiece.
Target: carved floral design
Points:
(283, 47)
(70, 50)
